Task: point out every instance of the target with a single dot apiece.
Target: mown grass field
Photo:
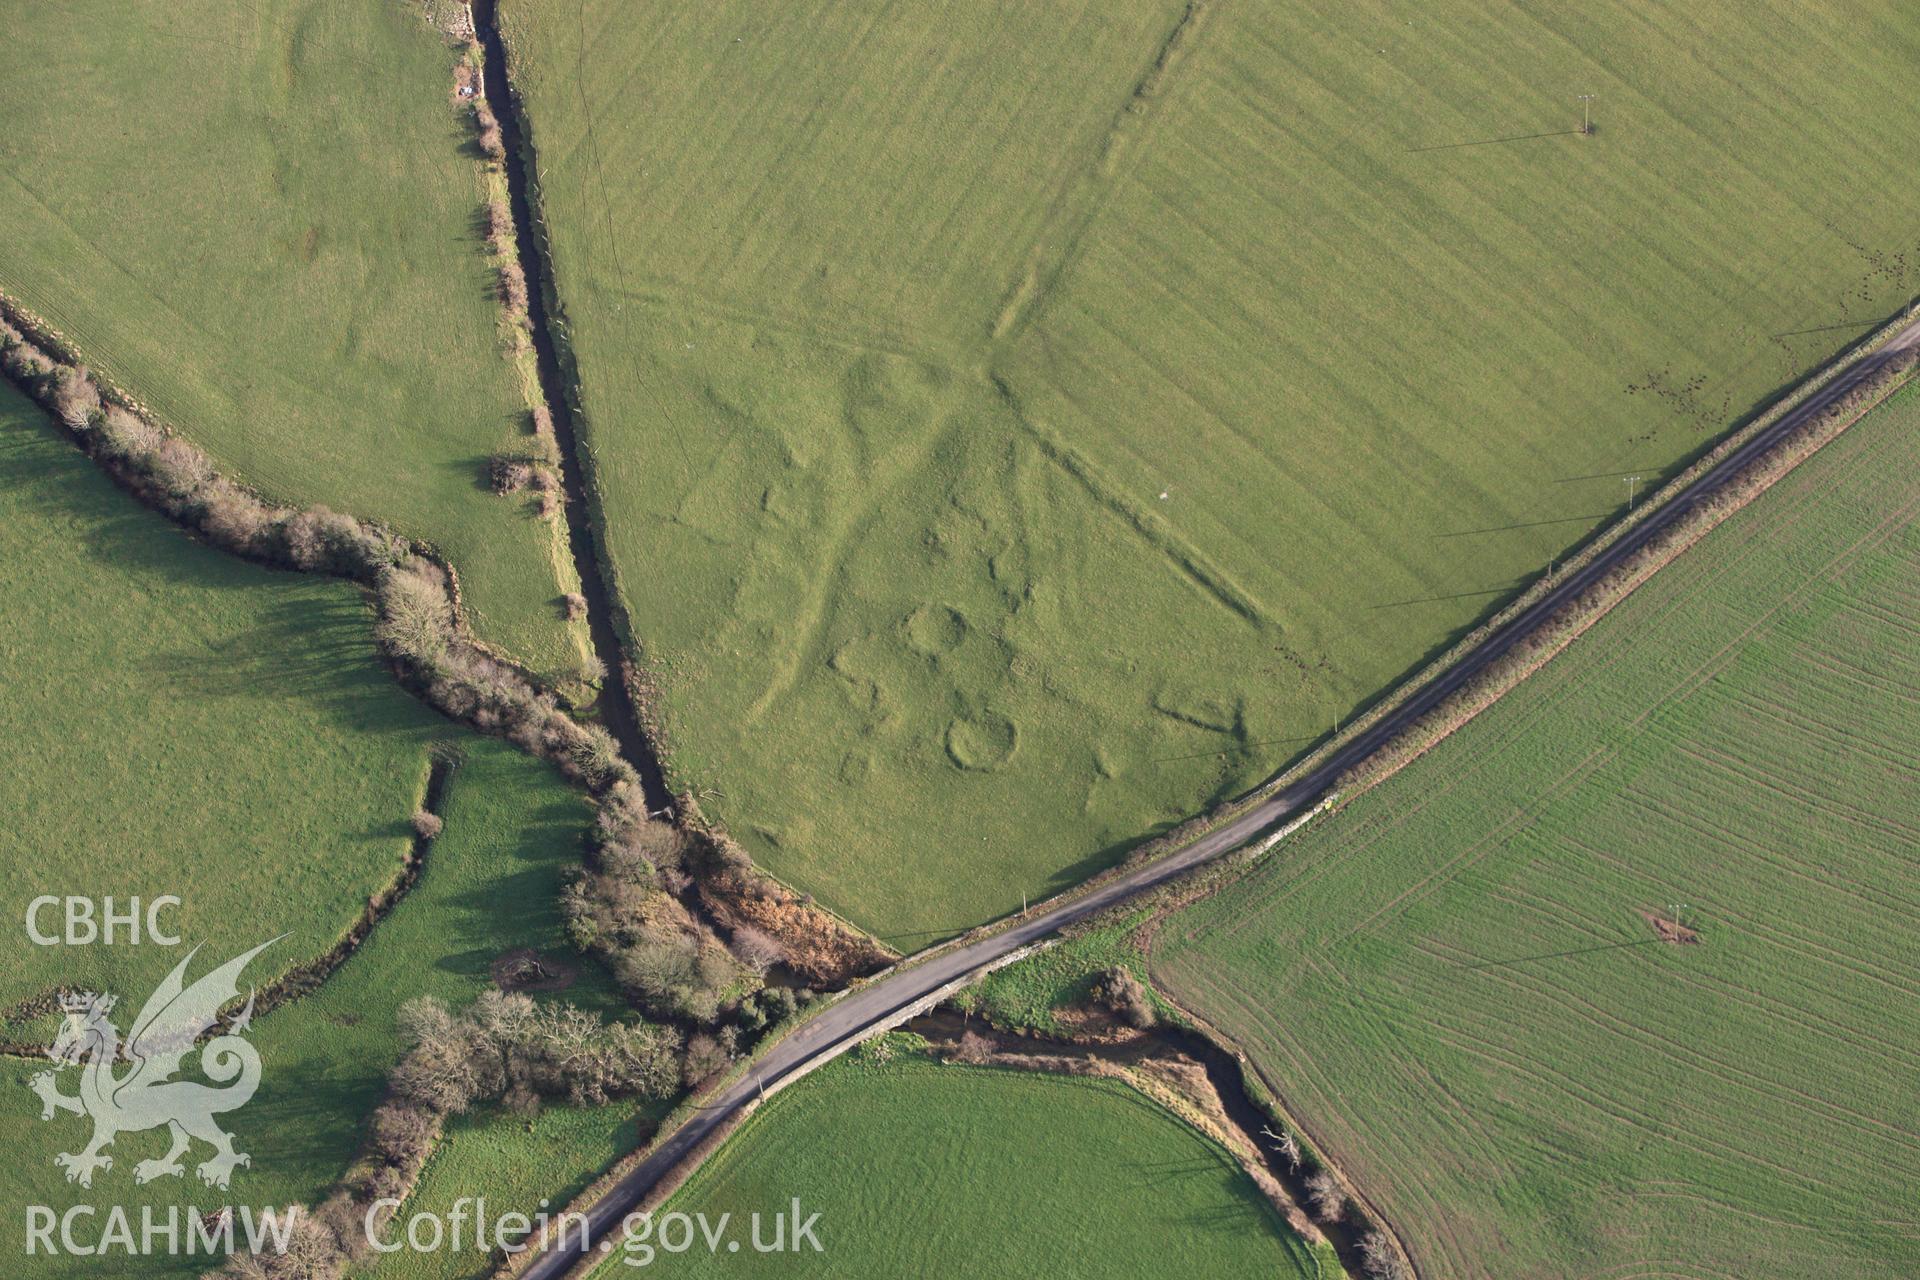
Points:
(1016, 430)
(490, 885)
(917, 1168)
(180, 722)
(264, 221)
(1454, 987)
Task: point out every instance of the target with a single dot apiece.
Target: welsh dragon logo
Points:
(143, 1095)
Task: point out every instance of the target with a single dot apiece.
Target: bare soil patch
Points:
(525, 969)
(1672, 931)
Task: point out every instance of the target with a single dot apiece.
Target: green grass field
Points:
(518, 1163)
(1030, 994)
(186, 723)
(264, 222)
(916, 1168)
(180, 722)
(1017, 430)
(1454, 987)
(491, 885)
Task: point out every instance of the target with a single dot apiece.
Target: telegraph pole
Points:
(1632, 481)
(1586, 113)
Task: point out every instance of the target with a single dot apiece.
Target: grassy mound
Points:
(1016, 430)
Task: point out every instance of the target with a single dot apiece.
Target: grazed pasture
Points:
(266, 222)
(490, 885)
(1015, 429)
(516, 1161)
(1456, 982)
(180, 722)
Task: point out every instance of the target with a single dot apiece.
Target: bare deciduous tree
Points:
(757, 949)
(704, 1059)
(1379, 1259)
(1328, 1199)
(1285, 1143)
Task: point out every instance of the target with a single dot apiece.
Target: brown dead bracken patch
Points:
(818, 947)
(1091, 1024)
(525, 969)
(1672, 931)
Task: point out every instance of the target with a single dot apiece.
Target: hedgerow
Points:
(625, 907)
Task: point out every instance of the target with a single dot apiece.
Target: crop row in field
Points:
(1459, 982)
(1015, 431)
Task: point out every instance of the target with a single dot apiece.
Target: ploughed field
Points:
(267, 223)
(1015, 430)
(1465, 983)
(919, 1168)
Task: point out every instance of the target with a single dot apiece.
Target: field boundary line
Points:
(1057, 244)
(1200, 825)
(1790, 450)
(1274, 1102)
(1755, 478)
(463, 681)
(633, 713)
(664, 294)
(1186, 560)
(130, 449)
(1580, 613)
(307, 976)
(1222, 834)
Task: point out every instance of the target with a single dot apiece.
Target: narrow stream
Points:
(615, 704)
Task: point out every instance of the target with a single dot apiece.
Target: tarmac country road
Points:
(844, 1023)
